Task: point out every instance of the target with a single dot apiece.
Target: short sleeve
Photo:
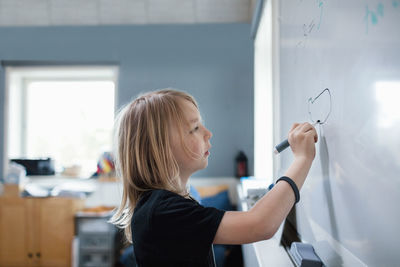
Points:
(184, 226)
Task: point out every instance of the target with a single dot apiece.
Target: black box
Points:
(43, 166)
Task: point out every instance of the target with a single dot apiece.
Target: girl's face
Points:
(196, 137)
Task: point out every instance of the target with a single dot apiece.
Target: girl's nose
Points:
(208, 134)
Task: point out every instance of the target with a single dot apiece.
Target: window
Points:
(65, 113)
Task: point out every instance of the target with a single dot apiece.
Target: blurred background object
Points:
(16, 173)
(40, 166)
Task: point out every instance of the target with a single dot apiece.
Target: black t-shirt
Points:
(170, 230)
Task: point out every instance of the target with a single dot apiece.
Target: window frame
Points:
(19, 78)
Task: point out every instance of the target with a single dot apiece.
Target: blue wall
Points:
(213, 62)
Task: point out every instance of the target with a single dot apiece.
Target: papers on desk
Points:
(75, 189)
(32, 190)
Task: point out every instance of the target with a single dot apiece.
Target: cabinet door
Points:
(54, 231)
(15, 235)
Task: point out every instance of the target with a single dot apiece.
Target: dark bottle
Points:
(241, 165)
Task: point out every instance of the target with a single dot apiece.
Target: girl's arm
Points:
(264, 218)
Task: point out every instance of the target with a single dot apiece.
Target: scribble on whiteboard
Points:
(309, 27)
(307, 30)
(320, 107)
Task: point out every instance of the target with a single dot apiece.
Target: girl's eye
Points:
(195, 129)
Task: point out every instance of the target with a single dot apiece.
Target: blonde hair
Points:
(143, 156)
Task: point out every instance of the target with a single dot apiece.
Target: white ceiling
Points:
(106, 12)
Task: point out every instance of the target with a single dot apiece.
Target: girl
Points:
(161, 142)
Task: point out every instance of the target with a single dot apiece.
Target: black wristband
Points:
(293, 185)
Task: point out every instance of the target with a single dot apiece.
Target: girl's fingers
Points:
(313, 133)
(307, 127)
(294, 126)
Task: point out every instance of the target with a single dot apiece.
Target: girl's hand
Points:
(302, 139)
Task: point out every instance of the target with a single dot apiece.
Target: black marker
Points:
(285, 144)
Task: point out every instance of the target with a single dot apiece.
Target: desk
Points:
(263, 253)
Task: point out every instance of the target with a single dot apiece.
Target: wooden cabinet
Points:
(37, 231)
(15, 240)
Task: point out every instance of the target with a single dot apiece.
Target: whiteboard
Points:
(349, 208)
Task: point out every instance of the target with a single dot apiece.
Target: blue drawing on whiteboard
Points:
(379, 9)
(395, 3)
(321, 7)
(373, 15)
